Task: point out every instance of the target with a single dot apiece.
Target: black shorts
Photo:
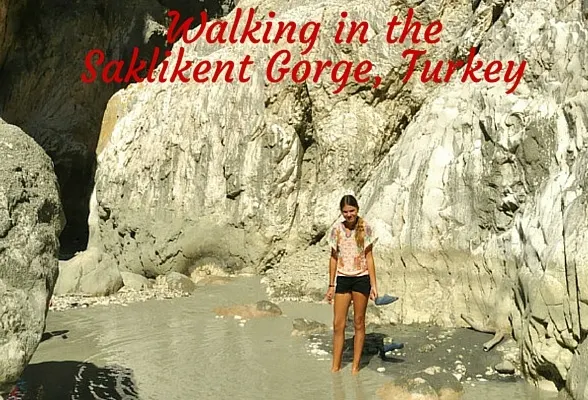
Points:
(347, 284)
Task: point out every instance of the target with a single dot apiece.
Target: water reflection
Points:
(338, 389)
(355, 388)
(76, 381)
(359, 390)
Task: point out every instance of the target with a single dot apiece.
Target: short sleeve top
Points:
(351, 260)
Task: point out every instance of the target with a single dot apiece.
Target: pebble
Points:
(432, 370)
(505, 367)
(123, 297)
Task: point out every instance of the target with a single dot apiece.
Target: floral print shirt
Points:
(351, 260)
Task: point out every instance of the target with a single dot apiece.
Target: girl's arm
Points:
(332, 274)
(371, 268)
(332, 267)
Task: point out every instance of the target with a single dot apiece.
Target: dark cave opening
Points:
(41, 91)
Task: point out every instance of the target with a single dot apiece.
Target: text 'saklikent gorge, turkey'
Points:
(281, 64)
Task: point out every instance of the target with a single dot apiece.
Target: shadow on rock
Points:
(65, 380)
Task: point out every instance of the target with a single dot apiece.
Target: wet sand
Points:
(179, 349)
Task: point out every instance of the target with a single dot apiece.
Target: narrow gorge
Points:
(477, 195)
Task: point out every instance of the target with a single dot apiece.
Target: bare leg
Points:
(340, 308)
(360, 301)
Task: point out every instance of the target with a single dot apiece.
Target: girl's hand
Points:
(330, 294)
(373, 293)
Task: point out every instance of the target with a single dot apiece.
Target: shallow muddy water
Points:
(179, 349)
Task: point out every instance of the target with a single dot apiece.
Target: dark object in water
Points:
(72, 380)
(389, 347)
(385, 300)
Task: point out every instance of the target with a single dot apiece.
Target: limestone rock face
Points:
(480, 201)
(31, 220)
(477, 196)
(251, 168)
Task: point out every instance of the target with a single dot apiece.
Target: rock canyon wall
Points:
(476, 195)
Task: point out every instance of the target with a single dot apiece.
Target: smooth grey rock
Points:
(91, 272)
(422, 386)
(303, 326)
(268, 307)
(177, 281)
(505, 367)
(31, 219)
(135, 281)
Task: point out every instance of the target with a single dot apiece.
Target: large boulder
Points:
(31, 220)
(91, 272)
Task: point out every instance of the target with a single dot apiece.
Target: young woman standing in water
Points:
(352, 264)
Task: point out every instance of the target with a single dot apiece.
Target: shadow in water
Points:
(49, 335)
(373, 346)
(74, 380)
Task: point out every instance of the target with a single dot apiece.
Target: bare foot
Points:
(333, 369)
(355, 371)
